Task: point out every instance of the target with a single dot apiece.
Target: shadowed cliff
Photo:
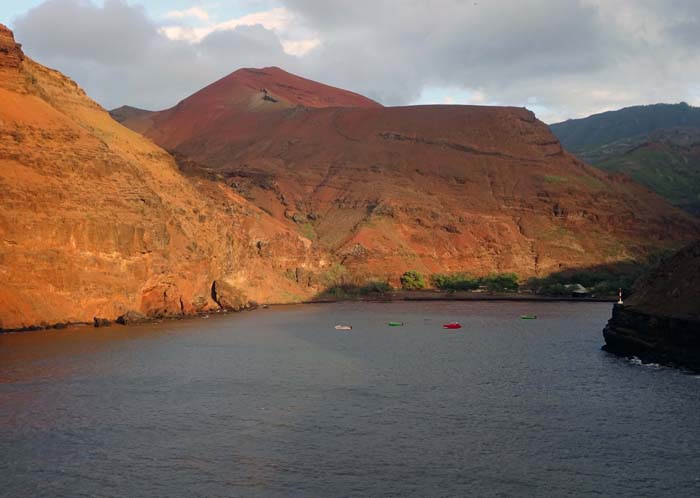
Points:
(661, 320)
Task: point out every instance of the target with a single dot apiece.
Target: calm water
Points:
(276, 403)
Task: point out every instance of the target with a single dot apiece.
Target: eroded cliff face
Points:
(96, 220)
(432, 188)
(661, 320)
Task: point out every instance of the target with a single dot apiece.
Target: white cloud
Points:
(275, 19)
(300, 47)
(196, 12)
(279, 20)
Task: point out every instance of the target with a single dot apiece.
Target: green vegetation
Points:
(412, 280)
(353, 291)
(592, 182)
(501, 282)
(376, 287)
(455, 282)
(497, 282)
(655, 145)
(597, 282)
(336, 274)
(307, 230)
(670, 170)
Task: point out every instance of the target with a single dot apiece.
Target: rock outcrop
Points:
(660, 322)
(432, 188)
(12, 55)
(96, 220)
(11, 58)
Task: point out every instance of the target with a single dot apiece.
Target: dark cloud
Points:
(562, 58)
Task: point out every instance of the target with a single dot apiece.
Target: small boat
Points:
(528, 317)
(395, 324)
(343, 327)
(452, 325)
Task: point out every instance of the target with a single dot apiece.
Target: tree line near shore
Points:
(597, 282)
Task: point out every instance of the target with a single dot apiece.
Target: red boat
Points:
(453, 325)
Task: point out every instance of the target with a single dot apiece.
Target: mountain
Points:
(96, 220)
(607, 127)
(657, 145)
(127, 113)
(433, 188)
(661, 320)
(246, 92)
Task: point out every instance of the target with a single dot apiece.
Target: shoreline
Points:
(431, 295)
(398, 296)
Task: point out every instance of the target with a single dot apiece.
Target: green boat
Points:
(528, 317)
(395, 324)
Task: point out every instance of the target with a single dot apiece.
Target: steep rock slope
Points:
(661, 320)
(436, 188)
(95, 220)
(656, 145)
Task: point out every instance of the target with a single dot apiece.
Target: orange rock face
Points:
(434, 188)
(96, 220)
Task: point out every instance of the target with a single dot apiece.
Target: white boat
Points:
(343, 327)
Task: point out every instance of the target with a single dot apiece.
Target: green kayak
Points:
(395, 324)
(529, 317)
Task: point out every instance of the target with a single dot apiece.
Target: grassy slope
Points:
(658, 146)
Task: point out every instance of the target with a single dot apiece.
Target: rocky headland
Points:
(660, 322)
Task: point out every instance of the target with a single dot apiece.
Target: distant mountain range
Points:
(657, 145)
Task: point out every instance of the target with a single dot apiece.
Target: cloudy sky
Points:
(560, 58)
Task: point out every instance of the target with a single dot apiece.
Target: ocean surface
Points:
(277, 403)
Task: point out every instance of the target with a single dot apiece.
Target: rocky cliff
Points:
(661, 320)
(433, 188)
(96, 220)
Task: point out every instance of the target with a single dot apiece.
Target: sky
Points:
(560, 58)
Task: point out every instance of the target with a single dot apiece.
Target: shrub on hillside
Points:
(376, 287)
(412, 280)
